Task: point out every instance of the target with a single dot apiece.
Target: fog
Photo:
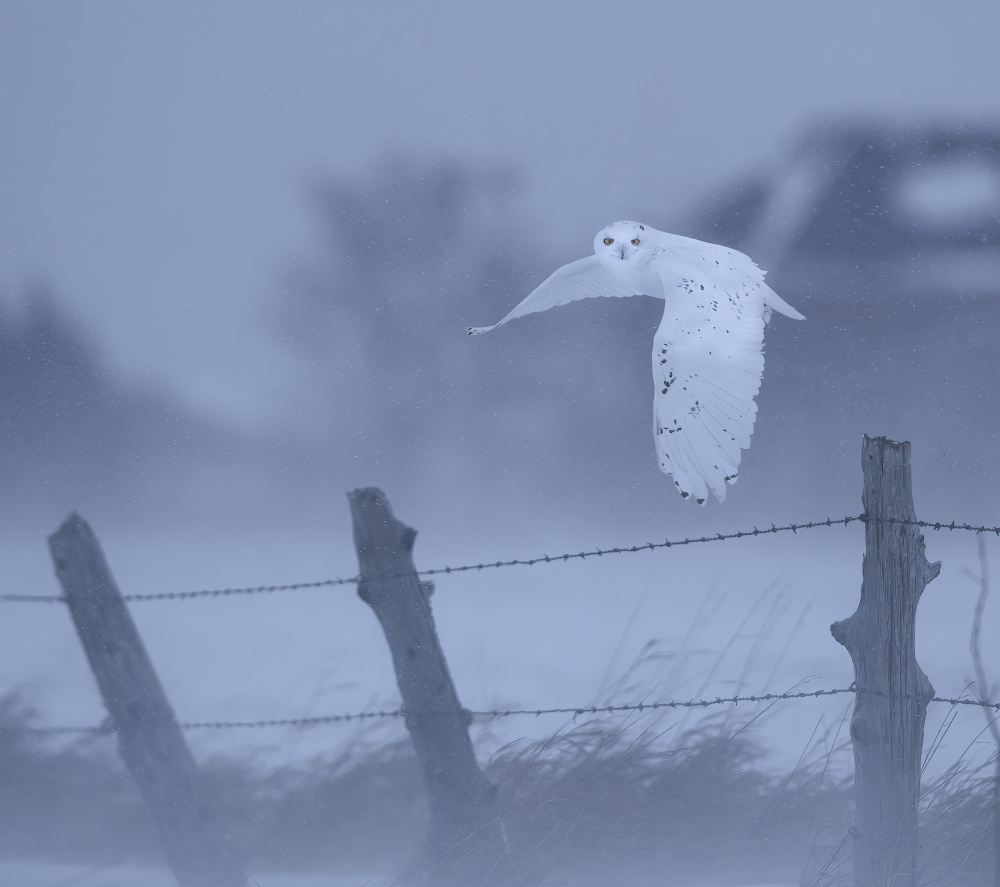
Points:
(240, 248)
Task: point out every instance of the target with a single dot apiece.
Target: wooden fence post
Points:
(887, 728)
(149, 737)
(465, 833)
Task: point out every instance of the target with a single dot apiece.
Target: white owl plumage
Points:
(707, 352)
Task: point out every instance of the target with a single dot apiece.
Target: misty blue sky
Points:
(157, 158)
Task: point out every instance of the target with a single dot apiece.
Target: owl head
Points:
(623, 244)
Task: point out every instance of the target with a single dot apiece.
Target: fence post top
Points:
(378, 530)
(73, 524)
(882, 440)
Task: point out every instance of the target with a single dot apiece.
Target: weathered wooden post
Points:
(149, 738)
(466, 836)
(887, 728)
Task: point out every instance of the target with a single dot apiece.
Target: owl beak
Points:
(621, 252)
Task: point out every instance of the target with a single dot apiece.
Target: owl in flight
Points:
(707, 352)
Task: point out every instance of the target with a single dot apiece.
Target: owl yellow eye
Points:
(609, 240)
(635, 241)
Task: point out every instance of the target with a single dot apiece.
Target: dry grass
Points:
(598, 800)
(597, 803)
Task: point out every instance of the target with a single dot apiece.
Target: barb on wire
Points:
(294, 722)
(976, 702)
(223, 592)
(933, 525)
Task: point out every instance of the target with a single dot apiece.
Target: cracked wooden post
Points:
(459, 795)
(887, 728)
(149, 738)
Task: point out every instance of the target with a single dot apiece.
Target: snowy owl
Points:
(707, 352)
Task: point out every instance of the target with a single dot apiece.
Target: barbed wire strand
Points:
(32, 599)
(496, 714)
(184, 595)
(521, 562)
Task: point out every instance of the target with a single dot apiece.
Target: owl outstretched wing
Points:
(707, 365)
(682, 258)
(582, 279)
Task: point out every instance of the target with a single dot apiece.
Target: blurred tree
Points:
(413, 256)
(50, 379)
(410, 251)
(70, 425)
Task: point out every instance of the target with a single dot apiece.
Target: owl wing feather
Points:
(582, 279)
(684, 256)
(707, 365)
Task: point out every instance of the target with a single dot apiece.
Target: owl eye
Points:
(635, 241)
(609, 240)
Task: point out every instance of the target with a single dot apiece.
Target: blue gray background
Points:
(240, 243)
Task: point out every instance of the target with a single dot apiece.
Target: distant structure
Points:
(907, 209)
(887, 237)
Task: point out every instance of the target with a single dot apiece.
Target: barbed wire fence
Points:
(497, 714)
(575, 711)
